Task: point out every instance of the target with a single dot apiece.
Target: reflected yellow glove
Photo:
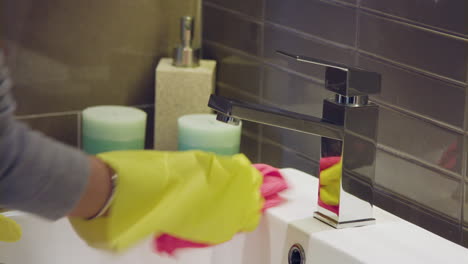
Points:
(193, 195)
(330, 184)
(10, 231)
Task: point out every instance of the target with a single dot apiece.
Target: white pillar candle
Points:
(108, 128)
(204, 132)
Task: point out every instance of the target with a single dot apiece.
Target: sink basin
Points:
(391, 240)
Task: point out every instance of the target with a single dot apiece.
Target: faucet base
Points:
(345, 224)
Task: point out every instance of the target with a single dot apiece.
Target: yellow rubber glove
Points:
(193, 195)
(10, 231)
(330, 184)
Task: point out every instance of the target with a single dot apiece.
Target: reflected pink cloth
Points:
(273, 184)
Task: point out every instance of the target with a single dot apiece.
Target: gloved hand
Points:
(193, 195)
(273, 184)
(10, 231)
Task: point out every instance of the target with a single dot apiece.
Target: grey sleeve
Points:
(37, 174)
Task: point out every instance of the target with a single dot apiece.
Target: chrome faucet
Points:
(348, 129)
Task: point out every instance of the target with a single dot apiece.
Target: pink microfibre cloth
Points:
(273, 184)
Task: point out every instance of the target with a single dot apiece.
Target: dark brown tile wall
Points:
(404, 133)
(248, 7)
(419, 93)
(421, 50)
(413, 46)
(301, 14)
(449, 15)
(243, 34)
(277, 38)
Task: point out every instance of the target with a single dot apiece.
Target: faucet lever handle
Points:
(343, 80)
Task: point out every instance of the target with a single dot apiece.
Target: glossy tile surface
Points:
(234, 70)
(293, 93)
(439, 146)
(308, 145)
(249, 7)
(428, 51)
(449, 15)
(405, 178)
(280, 39)
(465, 237)
(63, 128)
(280, 157)
(231, 30)
(417, 215)
(465, 206)
(249, 147)
(421, 94)
(324, 19)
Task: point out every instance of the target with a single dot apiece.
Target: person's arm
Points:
(97, 191)
(42, 176)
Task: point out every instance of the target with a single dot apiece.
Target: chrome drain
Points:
(296, 255)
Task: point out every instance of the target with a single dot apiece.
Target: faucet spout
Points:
(230, 109)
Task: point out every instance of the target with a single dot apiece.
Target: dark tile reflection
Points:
(280, 39)
(323, 19)
(419, 216)
(63, 128)
(293, 93)
(249, 147)
(149, 140)
(423, 95)
(465, 237)
(425, 50)
(308, 145)
(421, 139)
(234, 70)
(234, 93)
(249, 7)
(404, 178)
(449, 15)
(280, 157)
(231, 30)
(465, 207)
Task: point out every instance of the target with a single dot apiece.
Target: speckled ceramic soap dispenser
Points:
(183, 86)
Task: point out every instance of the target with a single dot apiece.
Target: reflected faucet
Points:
(348, 130)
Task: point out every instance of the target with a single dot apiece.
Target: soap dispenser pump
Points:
(183, 85)
(184, 54)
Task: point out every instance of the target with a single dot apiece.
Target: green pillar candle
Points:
(107, 128)
(204, 132)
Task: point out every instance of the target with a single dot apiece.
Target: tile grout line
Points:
(262, 81)
(414, 24)
(234, 12)
(410, 68)
(414, 204)
(419, 162)
(418, 116)
(357, 36)
(309, 36)
(45, 115)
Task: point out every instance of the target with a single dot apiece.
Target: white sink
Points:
(392, 240)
